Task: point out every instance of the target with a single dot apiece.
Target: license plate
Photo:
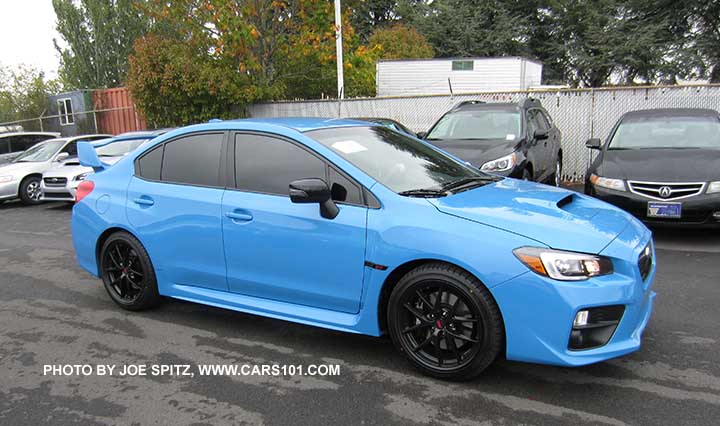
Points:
(655, 209)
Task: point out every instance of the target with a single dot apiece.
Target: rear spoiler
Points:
(89, 158)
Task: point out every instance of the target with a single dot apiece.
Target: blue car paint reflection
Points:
(291, 264)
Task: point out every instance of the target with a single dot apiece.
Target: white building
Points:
(435, 76)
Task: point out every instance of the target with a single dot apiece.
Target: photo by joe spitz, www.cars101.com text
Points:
(661, 165)
(356, 227)
(515, 139)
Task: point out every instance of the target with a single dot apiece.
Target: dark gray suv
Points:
(515, 139)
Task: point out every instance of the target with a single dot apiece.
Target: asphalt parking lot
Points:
(51, 312)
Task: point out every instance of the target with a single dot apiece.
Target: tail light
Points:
(83, 190)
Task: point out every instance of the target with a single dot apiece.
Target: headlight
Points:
(82, 176)
(603, 182)
(4, 179)
(563, 265)
(713, 187)
(501, 164)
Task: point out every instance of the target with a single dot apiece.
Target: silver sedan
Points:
(22, 177)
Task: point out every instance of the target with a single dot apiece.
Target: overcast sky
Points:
(27, 29)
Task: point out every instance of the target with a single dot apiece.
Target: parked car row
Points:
(50, 171)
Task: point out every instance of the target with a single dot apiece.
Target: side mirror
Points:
(421, 135)
(593, 143)
(540, 134)
(314, 190)
(62, 156)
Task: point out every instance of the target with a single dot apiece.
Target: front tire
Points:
(445, 322)
(30, 190)
(127, 273)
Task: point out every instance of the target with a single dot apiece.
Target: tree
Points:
(400, 42)
(97, 37)
(467, 27)
(23, 94)
(367, 16)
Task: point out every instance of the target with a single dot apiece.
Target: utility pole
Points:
(338, 50)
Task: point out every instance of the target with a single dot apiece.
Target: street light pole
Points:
(338, 51)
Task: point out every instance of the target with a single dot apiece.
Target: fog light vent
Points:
(594, 327)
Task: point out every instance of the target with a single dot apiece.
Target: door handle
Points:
(239, 217)
(144, 201)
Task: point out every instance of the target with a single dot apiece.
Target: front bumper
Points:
(59, 193)
(9, 190)
(538, 312)
(696, 211)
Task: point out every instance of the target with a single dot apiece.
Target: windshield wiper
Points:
(469, 182)
(424, 193)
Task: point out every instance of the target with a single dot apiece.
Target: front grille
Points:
(645, 261)
(666, 191)
(57, 195)
(55, 181)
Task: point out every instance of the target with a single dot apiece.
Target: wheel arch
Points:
(104, 236)
(30, 175)
(396, 275)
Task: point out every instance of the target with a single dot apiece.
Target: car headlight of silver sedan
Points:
(82, 176)
(501, 164)
(564, 265)
(609, 183)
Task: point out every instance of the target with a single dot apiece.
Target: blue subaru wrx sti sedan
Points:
(355, 227)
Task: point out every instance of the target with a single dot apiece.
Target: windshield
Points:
(119, 148)
(40, 152)
(478, 124)
(397, 161)
(667, 132)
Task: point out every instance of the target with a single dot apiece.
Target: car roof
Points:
(480, 105)
(51, 134)
(670, 112)
(305, 124)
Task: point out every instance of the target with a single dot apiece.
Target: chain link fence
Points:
(579, 113)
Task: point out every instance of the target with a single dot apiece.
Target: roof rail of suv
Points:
(466, 103)
(531, 102)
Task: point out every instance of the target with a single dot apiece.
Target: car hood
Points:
(476, 152)
(661, 165)
(556, 217)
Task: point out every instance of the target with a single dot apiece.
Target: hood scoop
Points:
(565, 201)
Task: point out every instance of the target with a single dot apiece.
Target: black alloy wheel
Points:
(127, 273)
(445, 322)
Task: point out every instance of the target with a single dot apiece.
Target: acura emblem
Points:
(665, 191)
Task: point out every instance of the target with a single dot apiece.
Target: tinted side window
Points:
(20, 143)
(538, 120)
(150, 163)
(71, 149)
(342, 189)
(193, 159)
(267, 164)
(4, 146)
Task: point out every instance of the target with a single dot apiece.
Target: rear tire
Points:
(527, 175)
(29, 190)
(445, 322)
(127, 273)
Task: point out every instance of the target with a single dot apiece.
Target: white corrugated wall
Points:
(430, 77)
